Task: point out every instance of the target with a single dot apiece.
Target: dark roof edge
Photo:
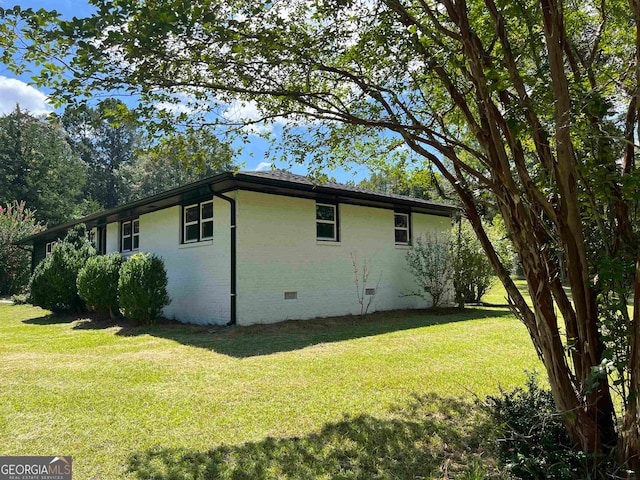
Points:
(132, 205)
(235, 179)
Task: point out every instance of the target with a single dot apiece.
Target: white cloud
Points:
(262, 166)
(246, 112)
(175, 108)
(14, 91)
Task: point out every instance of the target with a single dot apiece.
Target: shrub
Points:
(473, 273)
(533, 443)
(430, 262)
(98, 282)
(16, 223)
(20, 298)
(142, 287)
(53, 284)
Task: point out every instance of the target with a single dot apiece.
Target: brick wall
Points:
(278, 252)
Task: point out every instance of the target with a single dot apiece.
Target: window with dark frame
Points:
(402, 231)
(129, 235)
(326, 222)
(197, 222)
(101, 239)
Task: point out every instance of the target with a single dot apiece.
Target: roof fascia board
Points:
(229, 181)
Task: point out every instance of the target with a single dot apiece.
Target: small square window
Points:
(207, 210)
(326, 212)
(191, 214)
(325, 231)
(191, 233)
(207, 230)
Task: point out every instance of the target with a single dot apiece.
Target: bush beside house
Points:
(142, 287)
(72, 276)
(430, 262)
(98, 283)
(53, 284)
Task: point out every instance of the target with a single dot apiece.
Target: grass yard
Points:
(385, 396)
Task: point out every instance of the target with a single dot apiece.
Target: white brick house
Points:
(262, 247)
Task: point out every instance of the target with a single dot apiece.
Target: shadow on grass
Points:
(56, 319)
(434, 437)
(256, 340)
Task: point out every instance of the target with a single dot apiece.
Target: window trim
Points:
(132, 235)
(407, 228)
(200, 222)
(335, 222)
(48, 248)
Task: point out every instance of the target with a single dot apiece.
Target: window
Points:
(326, 222)
(49, 248)
(130, 235)
(197, 221)
(101, 239)
(401, 223)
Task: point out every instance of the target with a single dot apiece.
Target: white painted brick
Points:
(198, 274)
(278, 252)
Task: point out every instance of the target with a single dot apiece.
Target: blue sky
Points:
(16, 90)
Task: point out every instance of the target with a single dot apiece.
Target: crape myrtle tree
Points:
(530, 106)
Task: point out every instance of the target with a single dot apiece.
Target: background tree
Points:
(39, 167)
(472, 271)
(414, 182)
(106, 139)
(16, 223)
(530, 107)
(175, 160)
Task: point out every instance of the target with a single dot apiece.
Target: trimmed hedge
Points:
(142, 287)
(98, 282)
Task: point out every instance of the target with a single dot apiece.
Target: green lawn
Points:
(497, 295)
(385, 396)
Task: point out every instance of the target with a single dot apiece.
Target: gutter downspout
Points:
(232, 204)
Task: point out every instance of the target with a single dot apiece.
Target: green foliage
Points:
(16, 223)
(39, 167)
(417, 182)
(105, 138)
(98, 282)
(431, 263)
(53, 284)
(533, 443)
(175, 160)
(20, 298)
(142, 287)
(473, 273)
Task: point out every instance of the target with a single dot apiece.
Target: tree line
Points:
(85, 160)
